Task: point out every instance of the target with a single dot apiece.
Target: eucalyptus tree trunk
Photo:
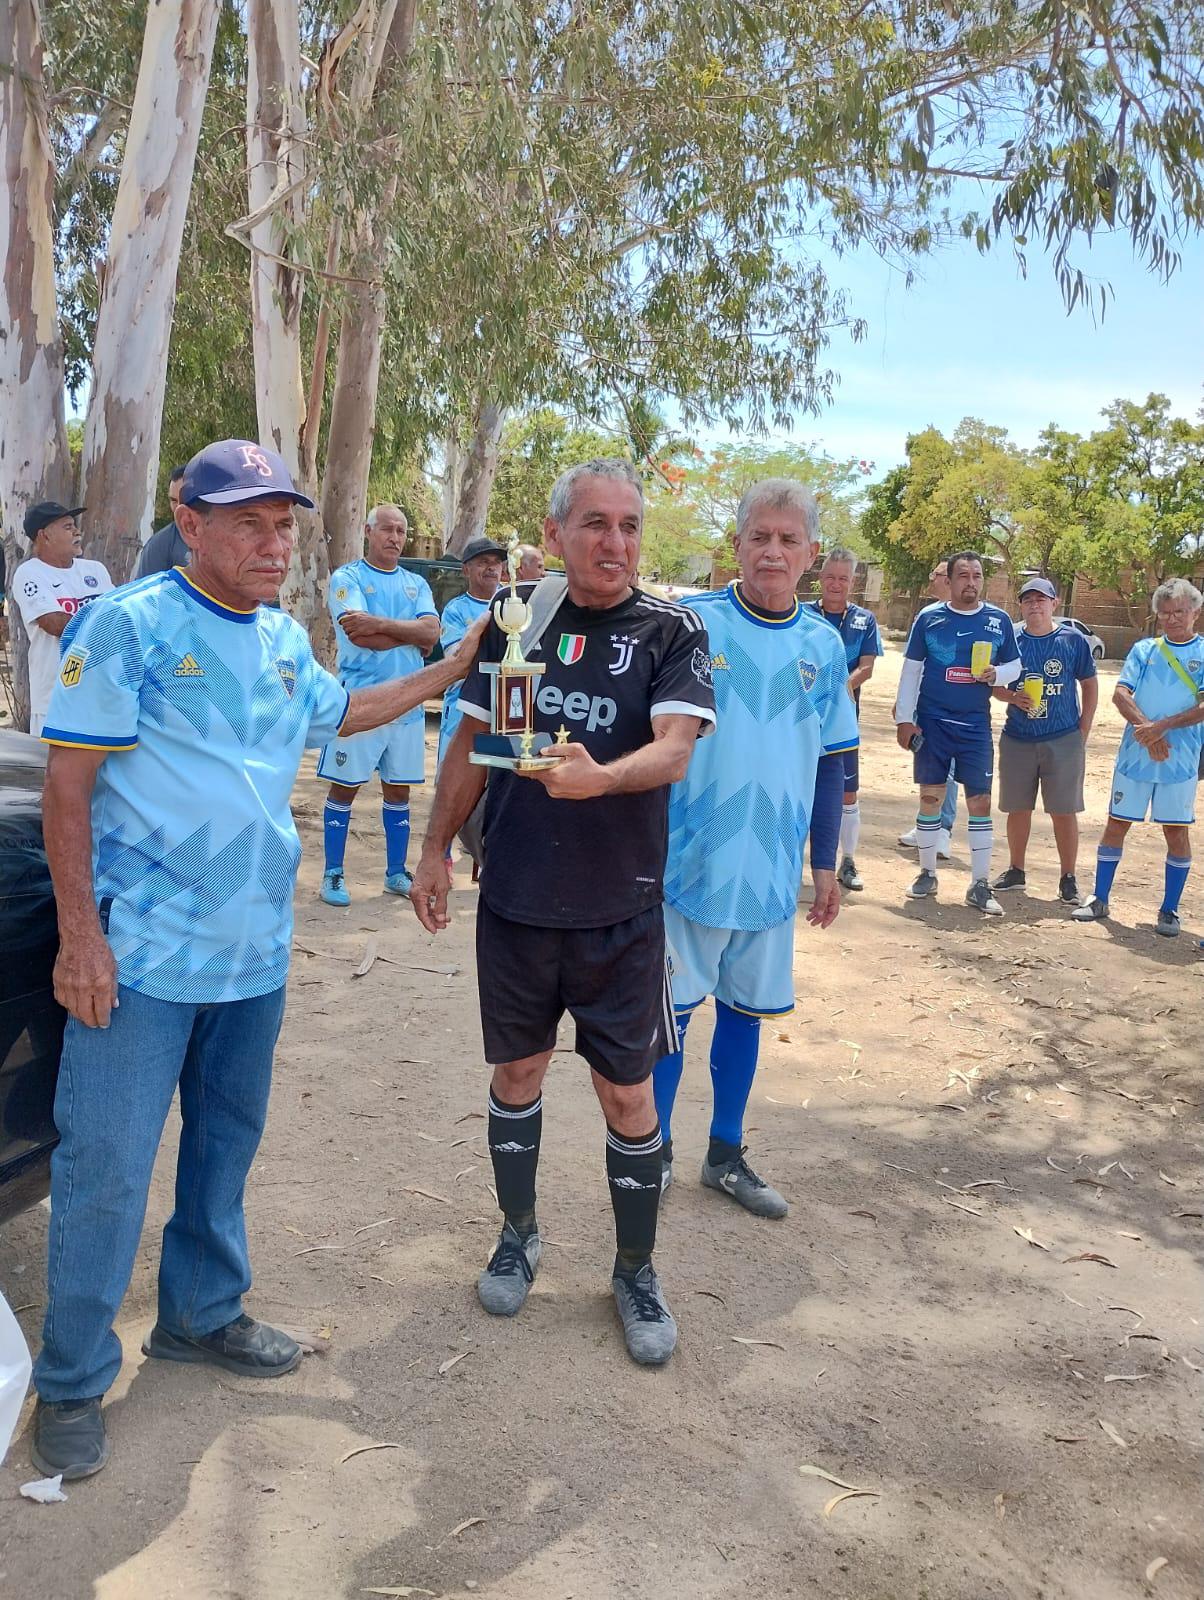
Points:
(361, 329)
(470, 468)
(138, 279)
(276, 133)
(34, 460)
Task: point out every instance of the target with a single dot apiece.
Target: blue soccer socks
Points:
(1177, 868)
(336, 819)
(396, 820)
(666, 1076)
(735, 1045)
(1107, 859)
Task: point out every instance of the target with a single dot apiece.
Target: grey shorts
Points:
(1055, 764)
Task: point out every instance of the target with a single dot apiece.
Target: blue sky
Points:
(971, 337)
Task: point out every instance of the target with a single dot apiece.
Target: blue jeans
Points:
(949, 805)
(114, 1092)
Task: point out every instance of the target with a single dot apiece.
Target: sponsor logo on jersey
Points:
(859, 622)
(72, 604)
(701, 665)
(958, 675)
(187, 667)
(1053, 668)
(287, 668)
(72, 668)
(595, 710)
(719, 663)
(624, 647)
(994, 625)
(808, 672)
(571, 648)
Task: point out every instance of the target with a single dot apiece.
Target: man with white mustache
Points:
(182, 708)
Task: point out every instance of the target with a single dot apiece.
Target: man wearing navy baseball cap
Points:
(181, 710)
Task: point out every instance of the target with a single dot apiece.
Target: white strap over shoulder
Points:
(546, 599)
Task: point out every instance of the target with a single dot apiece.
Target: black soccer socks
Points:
(514, 1146)
(633, 1167)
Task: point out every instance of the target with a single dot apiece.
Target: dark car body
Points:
(446, 578)
(31, 1020)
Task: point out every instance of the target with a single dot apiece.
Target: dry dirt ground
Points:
(984, 1306)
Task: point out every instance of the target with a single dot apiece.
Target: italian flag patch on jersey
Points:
(571, 648)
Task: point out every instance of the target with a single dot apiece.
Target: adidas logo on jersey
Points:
(188, 668)
(720, 663)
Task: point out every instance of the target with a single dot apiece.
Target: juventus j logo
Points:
(624, 645)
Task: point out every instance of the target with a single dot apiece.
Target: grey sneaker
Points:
(252, 1348)
(848, 877)
(980, 897)
(1167, 924)
(1068, 889)
(738, 1180)
(69, 1437)
(1013, 878)
(924, 885)
(1092, 910)
(648, 1325)
(503, 1285)
(666, 1176)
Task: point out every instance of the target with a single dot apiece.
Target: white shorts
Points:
(1132, 800)
(397, 751)
(751, 972)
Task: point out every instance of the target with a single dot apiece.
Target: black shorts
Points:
(613, 982)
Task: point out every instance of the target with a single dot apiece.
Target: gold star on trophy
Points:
(562, 734)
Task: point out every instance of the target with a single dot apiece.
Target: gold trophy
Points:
(513, 743)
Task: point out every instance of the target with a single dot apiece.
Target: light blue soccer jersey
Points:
(401, 596)
(739, 818)
(458, 616)
(204, 713)
(943, 640)
(1161, 692)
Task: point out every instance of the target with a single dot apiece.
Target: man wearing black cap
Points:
(1044, 738)
(181, 711)
(50, 588)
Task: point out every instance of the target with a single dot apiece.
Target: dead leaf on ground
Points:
(368, 962)
(868, 1214)
(972, 1211)
(849, 1494)
(1172, 1181)
(398, 1589)
(1027, 1235)
(1050, 1162)
(948, 1105)
(1123, 1233)
(427, 1195)
(988, 1183)
(1125, 1377)
(363, 1449)
(1129, 1311)
(1089, 1255)
(809, 1471)
(1187, 1363)
(1069, 1438)
(368, 1226)
(711, 1295)
(772, 1344)
(462, 1527)
(1112, 1433)
(1197, 1214)
(1155, 1567)
(446, 1366)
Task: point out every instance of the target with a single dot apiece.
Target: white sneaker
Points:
(944, 845)
(909, 838)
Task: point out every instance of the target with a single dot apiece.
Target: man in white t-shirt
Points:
(49, 589)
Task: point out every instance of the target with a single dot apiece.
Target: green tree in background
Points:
(535, 450)
(903, 568)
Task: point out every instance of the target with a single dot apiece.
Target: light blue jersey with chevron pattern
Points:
(204, 714)
(1161, 692)
(739, 818)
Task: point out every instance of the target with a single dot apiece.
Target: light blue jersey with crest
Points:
(1161, 692)
(458, 616)
(204, 713)
(739, 818)
(400, 596)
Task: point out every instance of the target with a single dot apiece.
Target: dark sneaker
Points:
(1167, 924)
(924, 885)
(503, 1285)
(1013, 878)
(252, 1348)
(1068, 889)
(648, 1325)
(737, 1179)
(1092, 910)
(69, 1438)
(848, 877)
(980, 897)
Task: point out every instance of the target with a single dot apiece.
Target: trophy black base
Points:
(505, 750)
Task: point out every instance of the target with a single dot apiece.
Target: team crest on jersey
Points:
(1053, 668)
(624, 647)
(340, 594)
(340, 758)
(188, 667)
(72, 669)
(1194, 666)
(571, 648)
(90, 582)
(808, 672)
(287, 668)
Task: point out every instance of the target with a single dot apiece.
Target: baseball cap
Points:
(1038, 586)
(46, 512)
(480, 547)
(235, 470)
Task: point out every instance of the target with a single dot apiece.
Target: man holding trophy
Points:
(584, 706)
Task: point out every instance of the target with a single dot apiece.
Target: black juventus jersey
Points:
(590, 863)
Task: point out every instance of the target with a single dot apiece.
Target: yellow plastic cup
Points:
(980, 657)
(1034, 688)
